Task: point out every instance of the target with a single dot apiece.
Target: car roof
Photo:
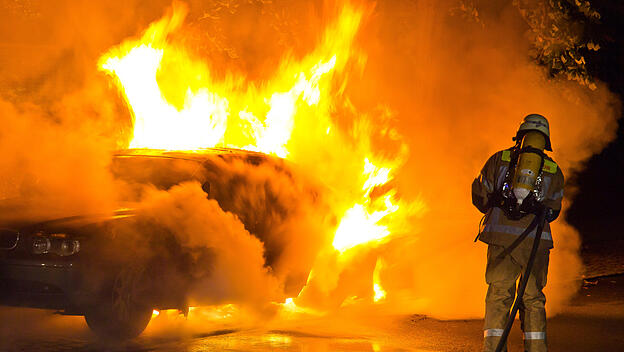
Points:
(199, 155)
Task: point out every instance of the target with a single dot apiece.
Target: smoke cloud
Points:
(252, 238)
(451, 89)
(460, 89)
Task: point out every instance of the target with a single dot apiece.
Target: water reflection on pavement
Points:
(35, 330)
(597, 312)
(221, 340)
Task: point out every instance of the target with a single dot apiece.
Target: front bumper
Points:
(39, 284)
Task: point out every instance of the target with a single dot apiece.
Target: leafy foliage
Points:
(467, 10)
(557, 31)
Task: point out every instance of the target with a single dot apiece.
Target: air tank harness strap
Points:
(515, 155)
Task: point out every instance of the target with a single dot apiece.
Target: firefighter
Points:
(511, 207)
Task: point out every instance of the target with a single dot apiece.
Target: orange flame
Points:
(359, 225)
(380, 293)
(202, 112)
(267, 115)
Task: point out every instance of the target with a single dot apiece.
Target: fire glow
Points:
(197, 111)
(264, 116)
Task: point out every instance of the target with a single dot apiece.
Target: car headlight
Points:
(69, 247)
(41, 245)
(58, 244)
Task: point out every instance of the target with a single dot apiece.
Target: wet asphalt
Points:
(593, 322)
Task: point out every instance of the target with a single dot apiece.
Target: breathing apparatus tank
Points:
(529, 165)
(521, 192)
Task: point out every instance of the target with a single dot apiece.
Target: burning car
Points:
(110, 267)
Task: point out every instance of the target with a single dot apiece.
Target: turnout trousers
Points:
(501, 275)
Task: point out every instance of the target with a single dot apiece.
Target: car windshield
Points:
(162, 172)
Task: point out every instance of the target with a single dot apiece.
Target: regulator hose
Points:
(525, 279)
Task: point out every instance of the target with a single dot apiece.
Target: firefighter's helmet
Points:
(534, 122)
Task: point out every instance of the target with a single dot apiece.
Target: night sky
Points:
(597, 208)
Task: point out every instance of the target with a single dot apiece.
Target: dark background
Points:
(596, 209)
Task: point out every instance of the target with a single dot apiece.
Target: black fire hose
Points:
(525, 279)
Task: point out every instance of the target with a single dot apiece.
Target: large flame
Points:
(176, 104)
(225, 113)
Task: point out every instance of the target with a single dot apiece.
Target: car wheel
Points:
(120, 314)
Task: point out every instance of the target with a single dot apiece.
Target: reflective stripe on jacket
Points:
(500, 230)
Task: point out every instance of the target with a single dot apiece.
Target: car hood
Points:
(20, 214)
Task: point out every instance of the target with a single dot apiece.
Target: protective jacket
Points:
(500, 230)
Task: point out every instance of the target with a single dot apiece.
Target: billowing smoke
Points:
(60, 120)
(452, 90)
(250, 237)
(460, 88)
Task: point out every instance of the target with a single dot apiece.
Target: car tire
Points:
(119, 314)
